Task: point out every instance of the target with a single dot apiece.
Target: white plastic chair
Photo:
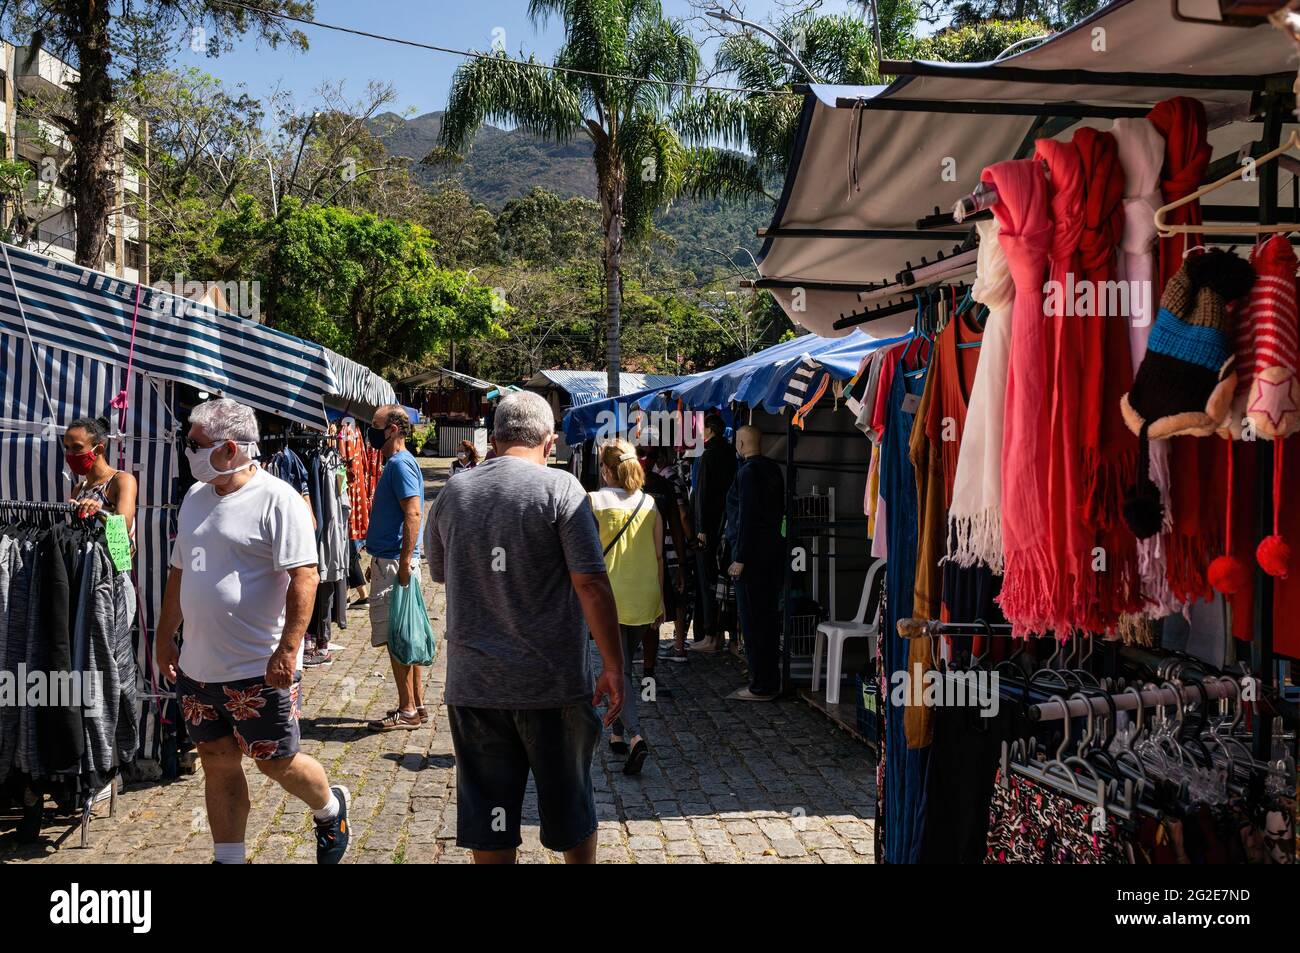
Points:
(831, 637)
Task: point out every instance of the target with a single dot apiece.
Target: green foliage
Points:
(979, 42)
(1056, 14)
(364, 286)
(544, 229)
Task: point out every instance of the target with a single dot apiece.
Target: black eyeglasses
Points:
(191, 444)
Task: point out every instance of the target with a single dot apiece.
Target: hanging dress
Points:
(905, 768)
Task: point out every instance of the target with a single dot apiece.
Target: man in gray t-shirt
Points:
(517, 546)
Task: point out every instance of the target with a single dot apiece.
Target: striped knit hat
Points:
(1268, 371)
(1186, 381)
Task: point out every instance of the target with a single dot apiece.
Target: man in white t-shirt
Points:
(243, 580)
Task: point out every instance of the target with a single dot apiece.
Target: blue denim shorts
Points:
(497, 748)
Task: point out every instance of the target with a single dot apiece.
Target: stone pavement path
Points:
(726, 781)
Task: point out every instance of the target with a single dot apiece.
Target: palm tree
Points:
(619, 62)
(838, 48)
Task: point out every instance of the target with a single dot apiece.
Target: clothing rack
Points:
(37, 506)
(1275, 107)
(1212, 689)
(925, 628)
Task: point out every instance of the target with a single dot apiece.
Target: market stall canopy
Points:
(870, 162)
(759, 380)
(437, 374)
(358, 387)
(583, 387)
(57, 304)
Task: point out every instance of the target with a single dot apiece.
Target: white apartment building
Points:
(32, 72)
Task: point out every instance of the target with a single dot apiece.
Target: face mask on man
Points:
(81, 463)
(202, 468)
(378, 436)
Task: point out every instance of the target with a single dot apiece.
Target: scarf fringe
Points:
(1189, 558)
(977, 539)
(1036, 601)
(1135, 630)
(1027, 587)
(1106, 480)
(1152, 567)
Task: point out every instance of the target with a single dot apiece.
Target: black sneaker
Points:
(332, 836)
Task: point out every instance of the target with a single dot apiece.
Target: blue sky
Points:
(421, 77)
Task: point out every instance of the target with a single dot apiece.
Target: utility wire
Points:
(474, 54)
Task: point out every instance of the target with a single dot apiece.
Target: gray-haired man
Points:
(243, 579)
(517, 545)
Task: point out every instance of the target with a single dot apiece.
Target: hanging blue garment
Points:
(905, 768)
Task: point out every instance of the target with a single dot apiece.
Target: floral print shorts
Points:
(264, 720)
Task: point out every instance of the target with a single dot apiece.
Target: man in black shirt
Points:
(715, 472)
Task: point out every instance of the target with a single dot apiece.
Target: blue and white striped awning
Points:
(358, 387)
(86, 312)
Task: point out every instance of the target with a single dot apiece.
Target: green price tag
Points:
(119, 541)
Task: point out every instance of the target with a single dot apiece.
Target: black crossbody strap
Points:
(617, 536)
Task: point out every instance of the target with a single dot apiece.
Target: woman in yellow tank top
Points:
(633, 537)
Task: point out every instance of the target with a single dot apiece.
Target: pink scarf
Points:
(1026, 231)
(1071, 541)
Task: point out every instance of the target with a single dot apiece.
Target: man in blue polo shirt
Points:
(393, 542)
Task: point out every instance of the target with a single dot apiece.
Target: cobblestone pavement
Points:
(726, 781)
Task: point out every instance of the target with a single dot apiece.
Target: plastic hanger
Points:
(1165, 230)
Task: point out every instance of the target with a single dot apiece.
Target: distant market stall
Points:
(79, 343)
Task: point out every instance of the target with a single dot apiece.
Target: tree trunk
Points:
(614, 286)
(92, 138)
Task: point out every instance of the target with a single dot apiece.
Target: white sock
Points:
(228, 853)
(330, 810)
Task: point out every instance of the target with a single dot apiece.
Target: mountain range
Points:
(505, 164)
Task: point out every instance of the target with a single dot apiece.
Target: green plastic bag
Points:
(410, 634)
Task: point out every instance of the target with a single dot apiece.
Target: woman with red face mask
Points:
(97, 486)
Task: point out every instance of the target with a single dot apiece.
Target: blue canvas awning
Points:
(758, 380)
(54, 303)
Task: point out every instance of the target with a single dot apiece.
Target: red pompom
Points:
(1228, 575)
(1274, 556)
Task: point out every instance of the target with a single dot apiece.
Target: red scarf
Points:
(1109, 448)
(1197, 465)
(1026, 228)
(1071, 542)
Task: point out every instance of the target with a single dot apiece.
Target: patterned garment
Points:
(364, 465)
(1032, 824)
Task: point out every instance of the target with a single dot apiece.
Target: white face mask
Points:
(201, 462)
